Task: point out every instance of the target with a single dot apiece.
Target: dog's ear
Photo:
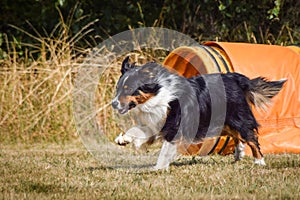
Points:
(126, 65)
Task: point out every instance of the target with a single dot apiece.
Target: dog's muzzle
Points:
(121, 107)
(115, 104)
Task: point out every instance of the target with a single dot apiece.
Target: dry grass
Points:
(69, 172)
(36, 93)
(36, 106)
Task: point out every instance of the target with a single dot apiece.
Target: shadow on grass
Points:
(180, 162)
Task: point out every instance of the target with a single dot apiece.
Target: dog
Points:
(178, 109)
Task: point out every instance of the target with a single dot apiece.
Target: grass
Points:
(41, 157)
(69, 172)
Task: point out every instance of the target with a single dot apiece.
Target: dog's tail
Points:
(261, 91)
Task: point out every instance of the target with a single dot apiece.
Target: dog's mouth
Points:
(125, 109)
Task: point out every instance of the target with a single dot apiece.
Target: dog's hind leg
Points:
(252, 141)
(239, 152)
(239, 145)
(248, 136)
(254, 145)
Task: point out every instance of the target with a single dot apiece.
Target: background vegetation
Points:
(266, 21)
(42, 44)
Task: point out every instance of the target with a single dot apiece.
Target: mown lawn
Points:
(47, 171)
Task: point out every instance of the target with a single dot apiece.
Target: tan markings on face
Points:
(125, 86)
(143, 97)
(128, 99)
(140, 99)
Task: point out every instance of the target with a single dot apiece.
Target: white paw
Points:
(259, 161)
(123, 139)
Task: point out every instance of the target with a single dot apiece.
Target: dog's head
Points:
(136, 85)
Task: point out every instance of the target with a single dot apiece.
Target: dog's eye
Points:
(129, 90)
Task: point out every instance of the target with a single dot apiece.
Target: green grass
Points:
(69, 172)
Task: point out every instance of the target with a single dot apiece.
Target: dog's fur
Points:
(179, 109)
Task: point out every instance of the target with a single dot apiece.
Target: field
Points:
(49, 171)
(41, 156)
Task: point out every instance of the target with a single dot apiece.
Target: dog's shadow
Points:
(125, 168)
(149, 168)
(195, 160)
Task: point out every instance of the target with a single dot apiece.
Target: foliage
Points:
(226, 20)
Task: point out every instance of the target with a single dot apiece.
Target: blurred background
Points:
(42, 44)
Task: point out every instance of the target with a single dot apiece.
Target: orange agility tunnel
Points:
(279, 130)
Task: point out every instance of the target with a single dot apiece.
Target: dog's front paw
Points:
(160, 168)
(123, 139)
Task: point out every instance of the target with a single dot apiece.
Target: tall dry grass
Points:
(36, 93)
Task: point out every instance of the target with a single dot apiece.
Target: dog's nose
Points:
(114, 104)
